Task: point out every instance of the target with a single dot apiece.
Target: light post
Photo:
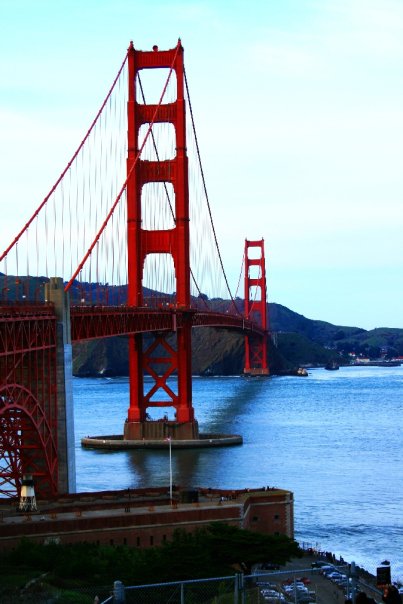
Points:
(170, 469)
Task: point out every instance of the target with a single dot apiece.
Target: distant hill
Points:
(284, 319)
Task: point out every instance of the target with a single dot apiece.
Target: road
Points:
(322, 589)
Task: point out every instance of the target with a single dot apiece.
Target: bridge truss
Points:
(28, 399)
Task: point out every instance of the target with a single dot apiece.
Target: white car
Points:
(272, 595)
(327, 569)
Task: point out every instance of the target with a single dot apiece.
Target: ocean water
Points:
(333, 438)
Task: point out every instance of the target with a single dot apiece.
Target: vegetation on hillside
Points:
(382, 341)
(300, 350)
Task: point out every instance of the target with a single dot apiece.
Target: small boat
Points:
(301, 371)
(332, 365)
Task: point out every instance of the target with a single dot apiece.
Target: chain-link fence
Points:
(329, 584)
(219, 589)
(322, 583)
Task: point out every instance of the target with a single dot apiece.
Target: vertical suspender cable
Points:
(16, 239)
(205, 192)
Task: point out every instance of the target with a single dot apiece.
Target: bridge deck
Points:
(88, 322)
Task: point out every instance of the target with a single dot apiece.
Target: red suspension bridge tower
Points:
(174, 241)
(256, 307)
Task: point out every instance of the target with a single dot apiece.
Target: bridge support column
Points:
(256, 308)
(54, 292)
(161, 360)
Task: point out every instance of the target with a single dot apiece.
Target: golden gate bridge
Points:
(123, 244)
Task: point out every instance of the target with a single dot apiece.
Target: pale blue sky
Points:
(299, 110)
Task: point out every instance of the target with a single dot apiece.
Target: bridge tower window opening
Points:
(254, 252)
(255, 294)
(255, 271)
(159, 287)
(160, 144)
(158, 206)
(150, 82)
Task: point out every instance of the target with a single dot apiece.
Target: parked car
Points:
(319, 564)
(334, 575)
(272, 596)
(270, 566)
(327, 568)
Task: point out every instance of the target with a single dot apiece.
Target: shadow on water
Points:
(222, 403)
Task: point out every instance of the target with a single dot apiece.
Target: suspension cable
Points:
(240, 274)
(205, 192)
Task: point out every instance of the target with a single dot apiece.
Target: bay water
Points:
(333, 438)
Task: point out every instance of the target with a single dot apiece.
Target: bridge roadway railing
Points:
(88, 322)
(12, 311)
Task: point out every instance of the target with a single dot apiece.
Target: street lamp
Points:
(170, 468)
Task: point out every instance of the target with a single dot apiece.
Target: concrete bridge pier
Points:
(161, 429)
(54, 293)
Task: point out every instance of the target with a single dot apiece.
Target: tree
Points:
(210, 552)
(217, 549)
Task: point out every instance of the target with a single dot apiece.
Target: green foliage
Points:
(73, 564)
(301, 351)
(234, 546)
(16, 577)
(214, 551)
(210, 552)
(370, 343)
